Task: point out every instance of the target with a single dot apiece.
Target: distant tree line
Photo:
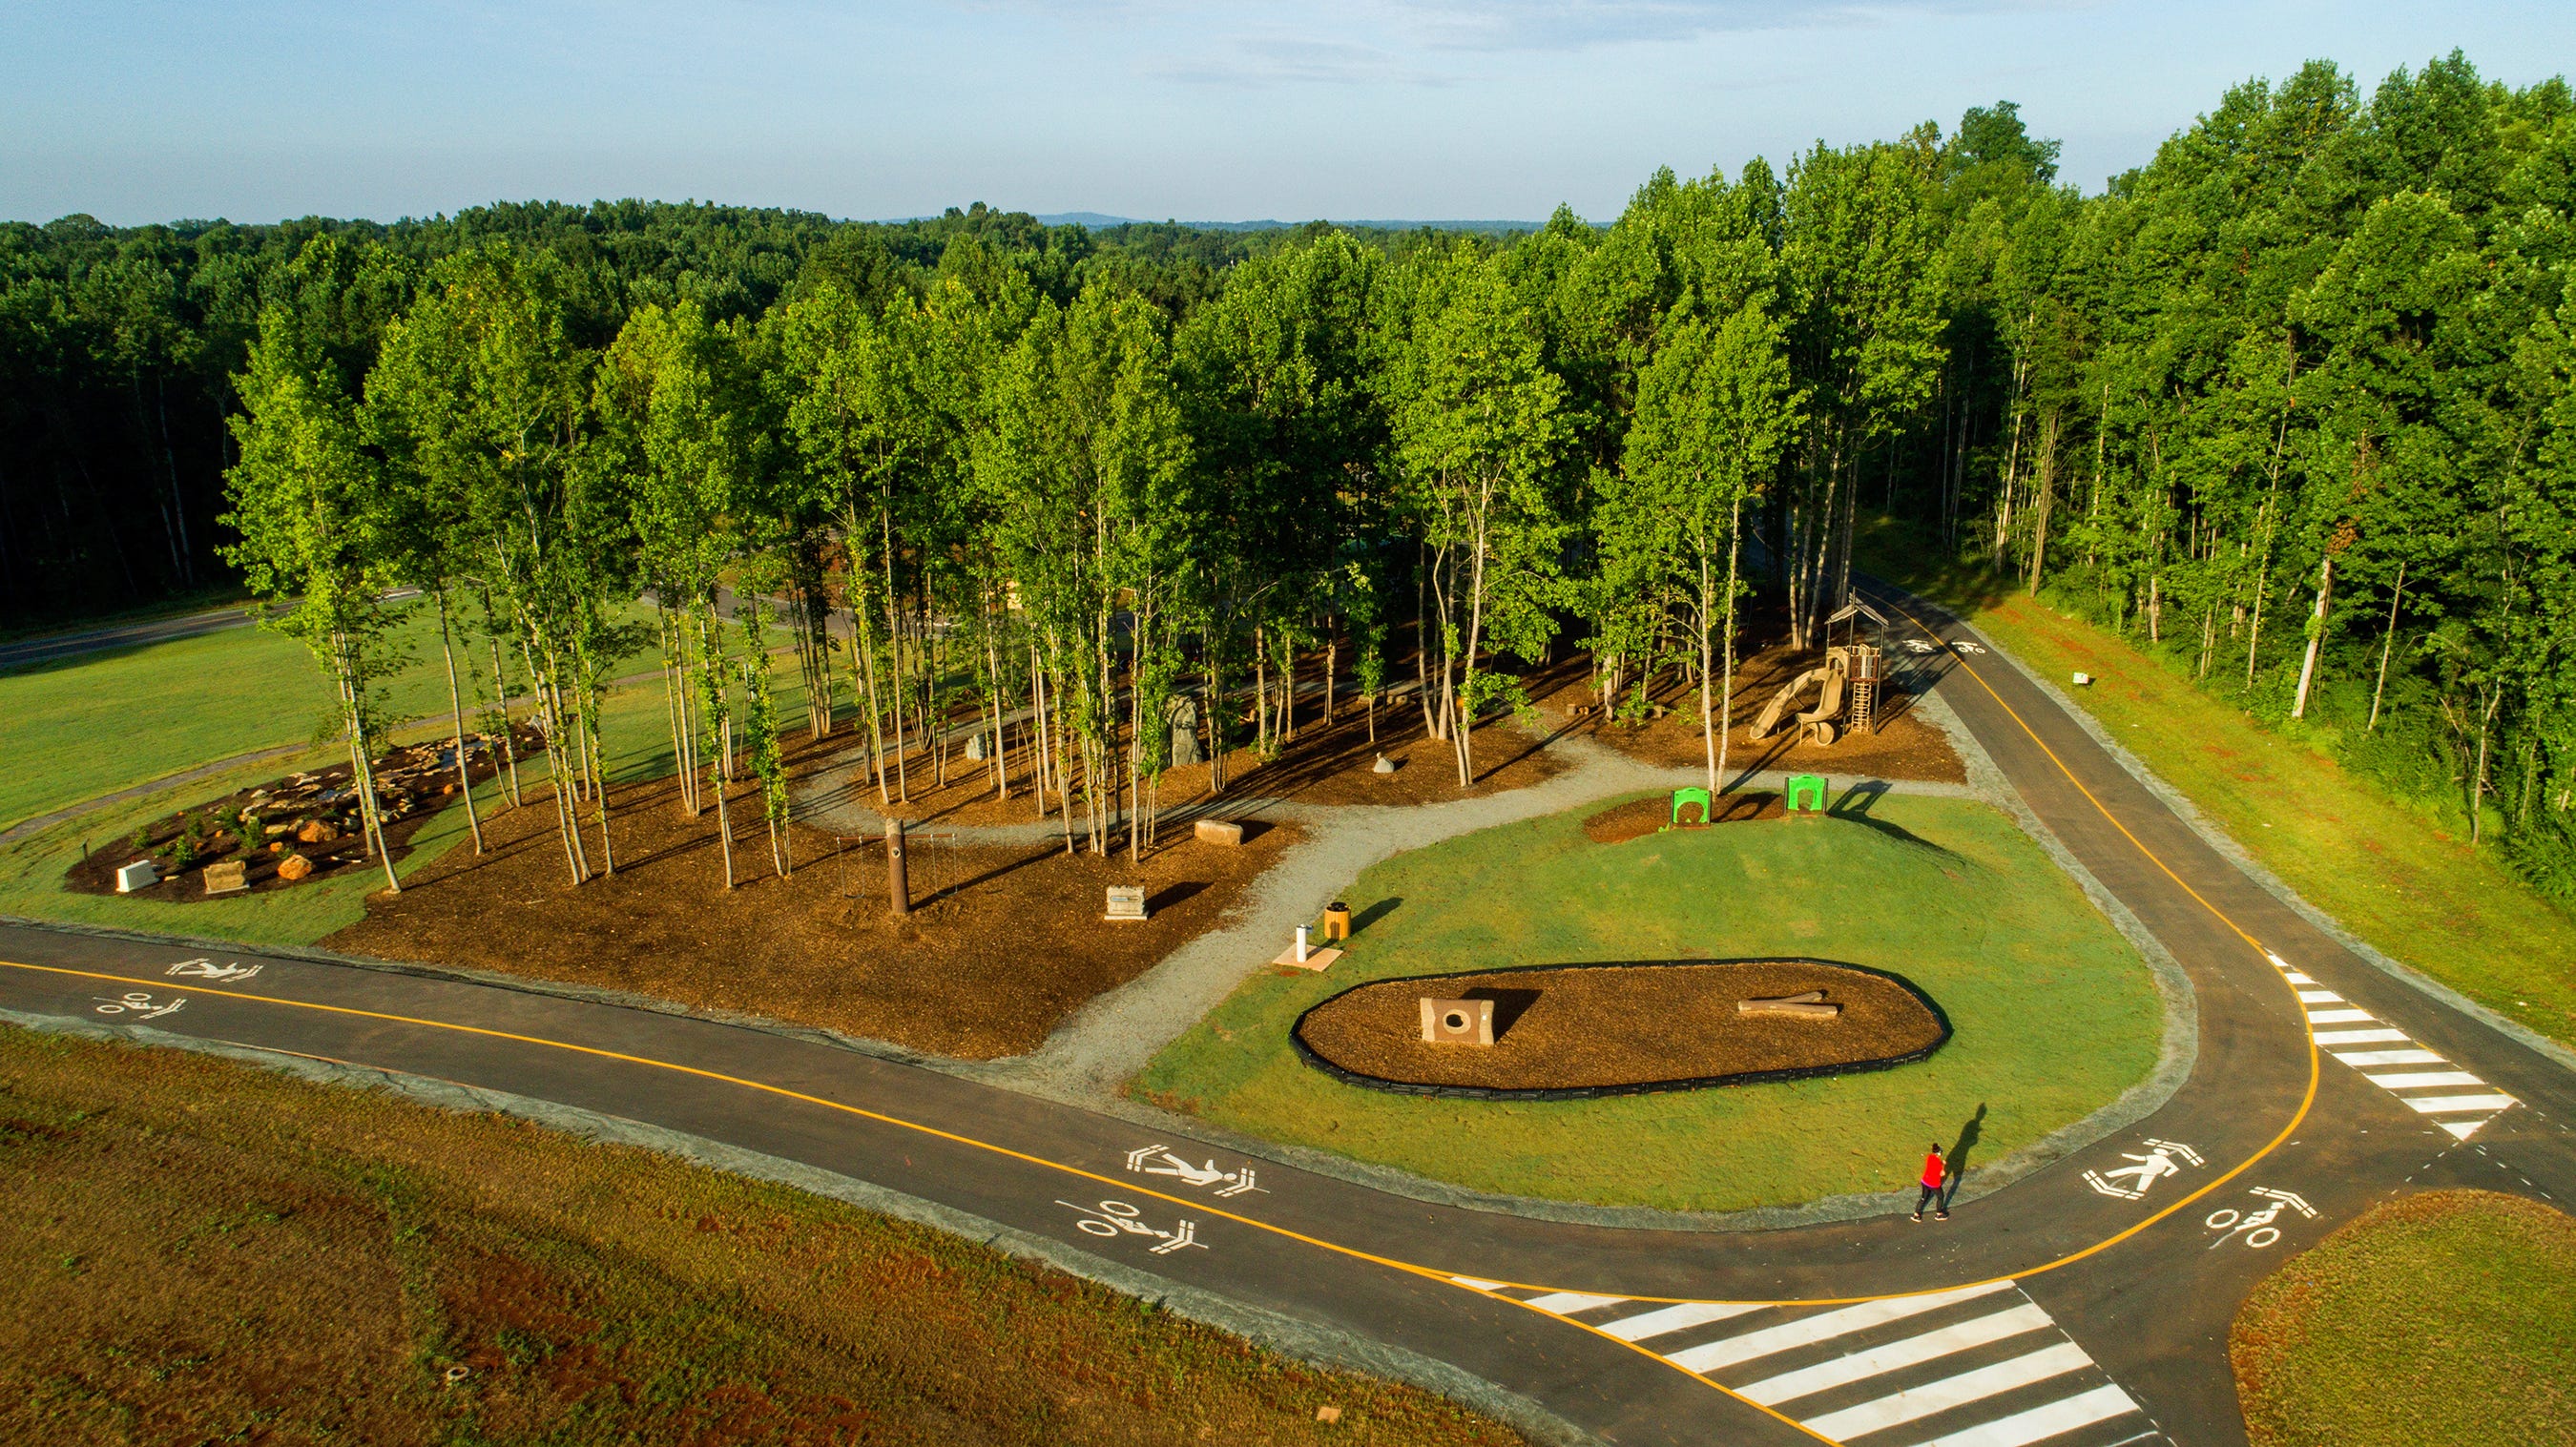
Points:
(2290, 403)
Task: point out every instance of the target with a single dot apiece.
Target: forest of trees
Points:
(2290, 404)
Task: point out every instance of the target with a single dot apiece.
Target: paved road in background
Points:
(2086, 1304)
(55, 646)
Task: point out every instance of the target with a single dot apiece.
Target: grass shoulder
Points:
(2380, 865)
(2054, 1014)
(2441, 1318)
(199, 1251)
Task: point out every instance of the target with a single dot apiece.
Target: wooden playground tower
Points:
(1847, 683)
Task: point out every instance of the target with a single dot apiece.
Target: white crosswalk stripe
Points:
(1973, 1366)
(2428, 1093)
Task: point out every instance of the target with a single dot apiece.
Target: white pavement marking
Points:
(1677, 1318)
(2484, 1106)
(1566, 1303)
(2455, 1104)
(2358, 1058)
(1915, 1403)
(2421, 1078)
(1479, 1284)
(1975, 1332)
(2041, 1423)
(1823, 1327)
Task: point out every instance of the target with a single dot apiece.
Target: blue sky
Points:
(1227, 109)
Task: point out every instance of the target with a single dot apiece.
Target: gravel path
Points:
(1111, 1038)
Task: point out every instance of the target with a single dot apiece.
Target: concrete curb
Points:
(1290, 1336)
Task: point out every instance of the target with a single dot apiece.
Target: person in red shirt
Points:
(1936, 1172)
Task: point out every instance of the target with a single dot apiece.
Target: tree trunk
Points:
(2316, 636)
(456, 703)
(2387, 645)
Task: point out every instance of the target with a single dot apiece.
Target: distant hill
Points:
(1096, 221)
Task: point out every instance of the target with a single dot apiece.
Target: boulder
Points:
(1384, 765)
(317, 831)
(294, 867)
(138, 875)
(229, 877)
(1217, 831)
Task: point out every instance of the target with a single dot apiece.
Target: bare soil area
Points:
(1625, 1027)
(1001, 944)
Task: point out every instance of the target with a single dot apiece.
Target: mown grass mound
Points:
(2052, 1013)
(2439, 1319)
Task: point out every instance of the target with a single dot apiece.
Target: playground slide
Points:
(1769, 723)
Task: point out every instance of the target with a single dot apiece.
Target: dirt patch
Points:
(314, 816)
(1325, 763)
(1667, 735)
(1640, 817)
(1571, 1030)
(1003, 942)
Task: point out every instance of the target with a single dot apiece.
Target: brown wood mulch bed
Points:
(1002, 944)
(1565, 1032)
(411, 783)
(1640, 817)
(1326, 763)
(1904, 746)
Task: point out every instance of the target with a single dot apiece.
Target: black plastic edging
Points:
(1308, 1053)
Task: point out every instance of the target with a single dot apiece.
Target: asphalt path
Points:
(2085, 1304)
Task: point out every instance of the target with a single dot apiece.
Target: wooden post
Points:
(898, 887)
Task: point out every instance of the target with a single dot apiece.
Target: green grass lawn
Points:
(85, 726)
(2436, 1320)
(196, 1251)
(2054, 1013)
(2388, 869)
(636, 736)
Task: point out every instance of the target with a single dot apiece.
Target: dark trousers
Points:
(1930, 1195)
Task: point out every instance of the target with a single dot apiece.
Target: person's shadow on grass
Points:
(1958, 1154)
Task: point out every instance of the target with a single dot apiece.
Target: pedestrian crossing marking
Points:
(1566, 1303)
(1869, 1370)
(1677, 1318)
(2359, 1058)
(1915, 1403)
(2442, 1087)
(2454, 1104)
(1976, 1331)
(2359, 1037)
(2054, 1420)
(1840, 1322)
(2426, 1077)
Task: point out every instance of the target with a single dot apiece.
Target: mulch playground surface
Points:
(411, 783)
(1623, 1026)
(1903, 747)
(1002, 943)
